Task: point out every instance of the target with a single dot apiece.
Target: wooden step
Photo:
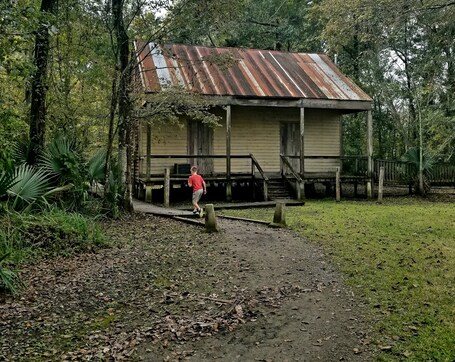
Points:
(278, 190)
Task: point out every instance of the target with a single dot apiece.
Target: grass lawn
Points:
(400, 258)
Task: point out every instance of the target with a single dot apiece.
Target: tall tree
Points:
(397, 50)
(17, 21)
(124, 101)
(38, 83)
(268, 24)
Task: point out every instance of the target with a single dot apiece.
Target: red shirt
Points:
(196, 181)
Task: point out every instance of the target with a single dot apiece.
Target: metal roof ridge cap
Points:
(242, 48)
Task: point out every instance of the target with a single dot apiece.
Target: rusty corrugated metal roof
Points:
(243, 72)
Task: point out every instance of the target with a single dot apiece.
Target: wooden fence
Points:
(397, 172)
(443, 175)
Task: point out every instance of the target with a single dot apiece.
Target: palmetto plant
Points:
(62, 160)
(8, 279)
(20, 152)
(29, 185)
(412, 157)
(113, 195)
(96, 165)
(7, 180)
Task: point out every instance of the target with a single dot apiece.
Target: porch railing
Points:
(354, 165)
(259, 177)
(265, 180)
(292, 177)
(395, 171)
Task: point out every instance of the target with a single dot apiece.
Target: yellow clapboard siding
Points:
(254, 130)
(165, 141)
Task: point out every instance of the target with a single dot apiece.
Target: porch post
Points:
(370, 154)
(148, 166)
(228, 154)
(302, 154)
(167, 186)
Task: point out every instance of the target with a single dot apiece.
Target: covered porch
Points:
(274, 165)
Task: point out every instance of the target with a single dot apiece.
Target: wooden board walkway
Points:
(252, 205)
(184, 215)
(183, 211)
(149, 208)
(181, 215)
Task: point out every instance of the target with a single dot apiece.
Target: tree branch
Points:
(272, 25)
(437, 7)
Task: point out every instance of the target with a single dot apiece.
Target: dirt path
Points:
(171, 292)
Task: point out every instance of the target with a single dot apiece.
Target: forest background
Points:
(66, 69)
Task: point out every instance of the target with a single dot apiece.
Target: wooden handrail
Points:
(306, 157)
(353, 157)
(288, 164)
(258, 166)
(196, 156)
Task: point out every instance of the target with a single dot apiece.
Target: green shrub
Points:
(9, 280)
(54, 232)
(30, 185)
(62, 160)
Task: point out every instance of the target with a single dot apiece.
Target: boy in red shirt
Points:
(197, 182)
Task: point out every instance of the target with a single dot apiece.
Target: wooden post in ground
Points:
(228, 154)
(279, 217)
(370, 154)
(381, 184)
(338, 184)
(167, 186)
(211, 225)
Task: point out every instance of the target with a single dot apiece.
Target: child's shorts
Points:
(197, 195)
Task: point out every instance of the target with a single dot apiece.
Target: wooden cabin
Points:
(280, 129)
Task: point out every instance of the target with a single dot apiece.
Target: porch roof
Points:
(249, 74)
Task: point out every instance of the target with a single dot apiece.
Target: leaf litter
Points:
(167, 291)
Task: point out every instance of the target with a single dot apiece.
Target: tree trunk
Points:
(449, 51)
(38, 93)
(111, 134)
(124, 103)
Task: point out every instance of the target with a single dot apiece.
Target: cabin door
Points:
(200, 142)
(290, 143)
